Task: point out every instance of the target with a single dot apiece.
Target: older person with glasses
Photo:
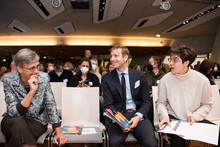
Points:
(30, 103)
(183, 93)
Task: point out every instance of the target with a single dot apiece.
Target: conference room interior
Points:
(64, 29)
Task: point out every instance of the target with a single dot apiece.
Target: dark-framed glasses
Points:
(174, 60)
(32, 69)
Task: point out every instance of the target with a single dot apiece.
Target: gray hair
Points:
(25, 56)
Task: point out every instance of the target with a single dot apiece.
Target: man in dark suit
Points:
(59, 74)
(133, 101)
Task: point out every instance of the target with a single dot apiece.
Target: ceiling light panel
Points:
(65, 28)
(18, 27)
(45, 8)
(104, 10)
(152, 20)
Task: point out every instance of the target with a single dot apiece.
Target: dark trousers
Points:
(143, 132)
(21, 130)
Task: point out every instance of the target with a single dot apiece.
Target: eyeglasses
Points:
(32, 69)
(175, 60)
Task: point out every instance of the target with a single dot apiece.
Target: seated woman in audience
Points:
(30, 103)
(84, 78)
(137, 67)
(48, 67)
(95, 68)
(206, 68)
(69, 66)
(154, 73)
(216, 72)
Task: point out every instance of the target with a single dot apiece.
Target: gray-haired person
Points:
(30, 103)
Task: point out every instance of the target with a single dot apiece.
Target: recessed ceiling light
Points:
(157, 35)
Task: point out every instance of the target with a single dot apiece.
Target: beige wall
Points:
(202, 44)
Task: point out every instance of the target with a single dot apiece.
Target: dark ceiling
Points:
(117, 30)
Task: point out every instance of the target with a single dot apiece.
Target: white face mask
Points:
(215, 68)
(94, 67)
(84, 70)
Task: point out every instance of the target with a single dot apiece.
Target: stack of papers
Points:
(72, 130)
(208, 133)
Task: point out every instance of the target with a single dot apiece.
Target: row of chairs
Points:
(81, 106)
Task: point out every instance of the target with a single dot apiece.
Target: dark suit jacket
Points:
(112, 91)
(65, 75)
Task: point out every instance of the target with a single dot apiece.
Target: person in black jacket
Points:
(84, 78)
(59, 74)
(206, 69)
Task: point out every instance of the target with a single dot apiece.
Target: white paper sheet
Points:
(86, 131)
(198, 131)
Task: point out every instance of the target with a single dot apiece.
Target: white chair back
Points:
(1, 84)
(217, 82)
(80, 106)
(155, 97)
(2, 102)
(57, 91)
(214, 114)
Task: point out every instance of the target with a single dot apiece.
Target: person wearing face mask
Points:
(48, 67)
(154, 74)
(95, 68)
(69, 66)
(85, 78)
(59, 74)
(216, 72)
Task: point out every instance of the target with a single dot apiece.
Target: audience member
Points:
(84, 78)
(69, 66)
(165, 67)
(13, 68)
(216, 72)
(196, 66)
(41, 67)
(88, 54)
(30, 103)
(49, 66)
(109, 67)
(132, 100)
(137, 67)
(145, 68)
(154, 74)
(59, 74)
(206, 69)
(95, 68)
(183, 94)
(2, 71)
(103, 70)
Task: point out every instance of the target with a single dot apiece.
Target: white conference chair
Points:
(217, 82)
(57, 92)
(214, 114)
(2, 110)
(1, 84)
(80, 106)
(40, 140)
